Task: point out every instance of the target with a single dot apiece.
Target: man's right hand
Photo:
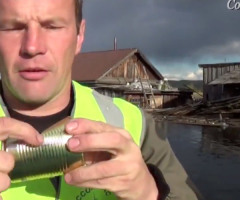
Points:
(11, 128)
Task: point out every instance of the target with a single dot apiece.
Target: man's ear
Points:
(80, 36)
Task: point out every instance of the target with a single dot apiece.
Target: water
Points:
(211, 157)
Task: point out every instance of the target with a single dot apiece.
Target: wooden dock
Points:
(222, 113)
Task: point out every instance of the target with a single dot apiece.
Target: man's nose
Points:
(33, 42)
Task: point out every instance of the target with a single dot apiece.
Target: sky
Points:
(174, 35)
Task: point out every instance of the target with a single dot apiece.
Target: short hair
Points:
(78, 12)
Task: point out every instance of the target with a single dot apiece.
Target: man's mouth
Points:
(33, 74)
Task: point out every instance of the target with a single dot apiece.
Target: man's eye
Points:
(52, 27)
(11, 28)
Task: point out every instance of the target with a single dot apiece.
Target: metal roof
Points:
(218, 65)
(92, 66)
(232, 77)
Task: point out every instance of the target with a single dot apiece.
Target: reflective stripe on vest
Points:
(91, 105)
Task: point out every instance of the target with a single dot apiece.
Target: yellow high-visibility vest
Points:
(90, 105)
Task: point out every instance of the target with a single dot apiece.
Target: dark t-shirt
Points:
(42, 123)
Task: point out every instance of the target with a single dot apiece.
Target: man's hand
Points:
(124, 173)
(11, 128)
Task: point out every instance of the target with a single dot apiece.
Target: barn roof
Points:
(91, 66)
(219, 65)
(232, 77)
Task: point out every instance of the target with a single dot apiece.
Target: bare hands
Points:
(123, 172)
(11, 128)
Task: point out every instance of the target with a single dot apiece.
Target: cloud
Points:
(194, 75)
(191, 76)
(198, 75)
(199, 72)
(173, 77)
(188, 32)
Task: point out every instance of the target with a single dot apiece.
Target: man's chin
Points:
(34, 100)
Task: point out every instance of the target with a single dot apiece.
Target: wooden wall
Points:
(131, 69)
(212, 72)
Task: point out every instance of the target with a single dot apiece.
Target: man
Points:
(38, 42)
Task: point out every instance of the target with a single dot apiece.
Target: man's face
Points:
(38, 42)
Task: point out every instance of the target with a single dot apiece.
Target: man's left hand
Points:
(124, 173)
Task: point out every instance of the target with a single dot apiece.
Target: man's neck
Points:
(41, 123)
(51, 107)
(46, 109)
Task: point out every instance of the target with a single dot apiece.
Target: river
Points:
(211, 157)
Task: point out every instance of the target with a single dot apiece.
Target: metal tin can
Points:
(50, 159)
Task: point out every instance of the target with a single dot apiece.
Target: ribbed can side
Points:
(50, 159)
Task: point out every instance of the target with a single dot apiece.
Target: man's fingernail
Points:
(73, 143)
(72, 125)
(40, 138)
(68, 178)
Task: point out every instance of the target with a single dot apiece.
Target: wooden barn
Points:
(220, 81)
(126, 73)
